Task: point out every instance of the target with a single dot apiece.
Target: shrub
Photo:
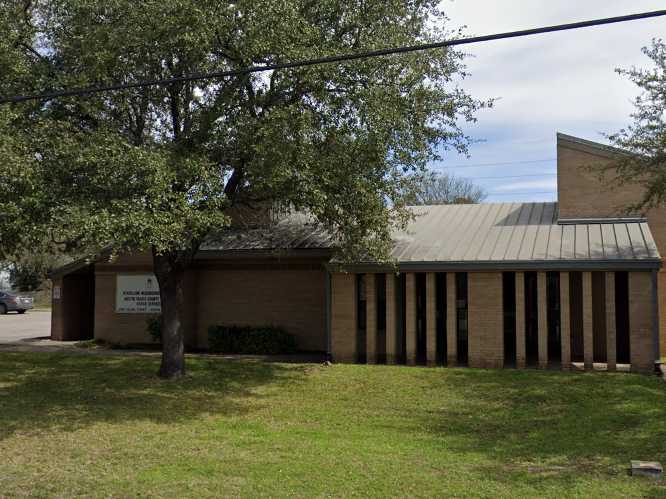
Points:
(154, 328)
(250, 340)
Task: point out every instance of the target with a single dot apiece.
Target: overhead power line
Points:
(333, 58)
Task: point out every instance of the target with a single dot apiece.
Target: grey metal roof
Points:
(471, 236)
(295, 231)
(501, 233)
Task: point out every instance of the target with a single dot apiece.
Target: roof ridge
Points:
(605, 148)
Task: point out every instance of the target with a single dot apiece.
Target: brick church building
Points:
(489, 285)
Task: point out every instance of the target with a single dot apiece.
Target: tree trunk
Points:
(170, 273)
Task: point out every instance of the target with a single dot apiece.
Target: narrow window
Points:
(440, 297)
(381, 317)
(401, 297)
(554, 317)
(461, 317)
(361, 311)
(421, 318)
(576, 315)
(599, 316)
(531, 319)
(509, 301)
(622, 317)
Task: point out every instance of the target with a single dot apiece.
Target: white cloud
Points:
(547, 83)
(533, 185)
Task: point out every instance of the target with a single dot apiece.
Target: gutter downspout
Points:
(328, 316)
(655, 322)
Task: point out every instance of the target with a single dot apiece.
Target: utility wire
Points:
(333, 58)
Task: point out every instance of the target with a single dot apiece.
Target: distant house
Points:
(488, 285)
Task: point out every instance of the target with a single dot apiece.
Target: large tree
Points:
(18, 195)
(158, 168)
(644, 140)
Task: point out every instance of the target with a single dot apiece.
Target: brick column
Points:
(520, 320)
(486, 331)
(661, 284)
(410, 316)
(451, 321)
(641, 344)
(371, 318)
(57, 311)
(565, 320)
(391, 319)
(611, 344)
(543, 319)
(588, 331)
(431, 320)
(343, 317)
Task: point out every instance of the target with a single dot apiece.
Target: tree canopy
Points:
(159, 168)
(645, 139)
(445, 188)
(18, 196)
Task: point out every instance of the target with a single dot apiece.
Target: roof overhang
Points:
(502, 266)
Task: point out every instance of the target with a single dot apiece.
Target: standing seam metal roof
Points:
(517, 232)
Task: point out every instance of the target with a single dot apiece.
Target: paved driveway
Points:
(15, 328)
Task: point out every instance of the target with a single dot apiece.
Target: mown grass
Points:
(101, 426)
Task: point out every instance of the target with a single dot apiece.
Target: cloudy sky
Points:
(559, 82)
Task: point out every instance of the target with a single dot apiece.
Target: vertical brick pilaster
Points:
(486, 332)
(391, 319)
(543, 319)
(661, 280)
(640, 322)
(565, 320)
(431, 320)
(588, 329)
(451, 321)
(410, 316)
(371, 318)
(520, 320)
(57, 311)
(611, 344)
(343, 317)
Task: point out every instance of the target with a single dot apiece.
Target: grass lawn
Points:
(105, 426)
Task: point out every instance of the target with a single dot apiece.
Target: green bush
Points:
(154, 328)
(250, 340)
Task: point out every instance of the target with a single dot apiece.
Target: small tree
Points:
(29, 272)
(158, 168)
(443, 188)
(645, 139)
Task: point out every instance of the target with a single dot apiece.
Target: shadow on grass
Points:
(40, 392)
(546, 423)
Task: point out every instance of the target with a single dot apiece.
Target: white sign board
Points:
(56, 292)
(137, 294)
